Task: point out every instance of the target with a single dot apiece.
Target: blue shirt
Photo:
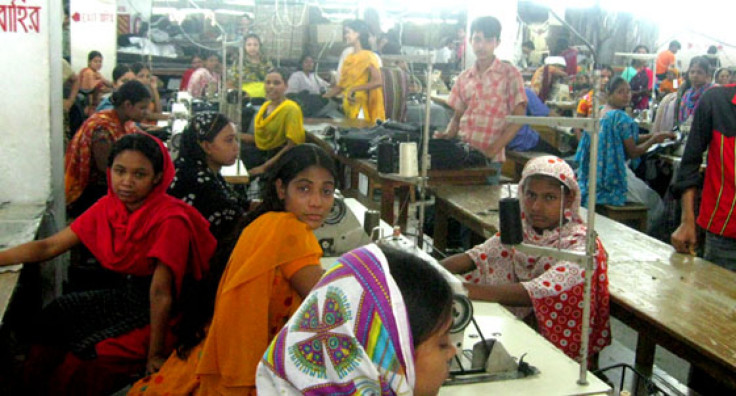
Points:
(527, 138)
(611, 186)
(105, 104)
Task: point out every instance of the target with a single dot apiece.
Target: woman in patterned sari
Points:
(274, 264)
(377, 323)
(547, 292)
(86, 157)
(360, 80)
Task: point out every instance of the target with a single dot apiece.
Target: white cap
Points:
(555, 60)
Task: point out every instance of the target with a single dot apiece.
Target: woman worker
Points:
(92, 343)
(274, 264)
(87, 154)
(360, 78)
(208, 143)
(91, 82)
(255, 68)
(278, 127)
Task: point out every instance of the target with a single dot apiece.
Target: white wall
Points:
(30, 108)
(93, 26)
(506, 12)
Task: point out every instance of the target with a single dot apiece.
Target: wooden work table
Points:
(683, 303)
(391, 185)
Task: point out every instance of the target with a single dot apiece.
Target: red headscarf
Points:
(126, 242)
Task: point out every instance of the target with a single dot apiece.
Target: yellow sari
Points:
(355, 72)
(284, 122)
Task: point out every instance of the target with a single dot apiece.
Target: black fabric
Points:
(208, 192)
(310, 104)
(453, 154)
(362, 143)
(715, 112)
(78, 321)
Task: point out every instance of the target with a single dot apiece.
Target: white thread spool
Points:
(408, 163)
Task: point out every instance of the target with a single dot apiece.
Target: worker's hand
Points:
(350, 94)
(660, 137)
(684, 239)
(450, 133)
(154, 82)
(258, 170)
(68, 104)
(154, 364)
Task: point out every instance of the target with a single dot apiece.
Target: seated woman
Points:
(547, 76)
(394, 334)
(698, 81)
(278, 127)
(640, 86)
(197, 62)
(274, 264)
(360, 78)
(91, 82)
(546, 291)
(143, 74)
(722, 76)
(86, 157)
(306, 79)
(527, 139)
(205, 79)
(94, 342)
(120, 75)
(255, 68)
(620, 142)
(671, 83)
(207, 144)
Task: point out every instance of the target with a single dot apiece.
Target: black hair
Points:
(281, 72)
(547, 178)
(210, 54)
(607, 67)
(614, 83)
(302, 59)
(712, 50)
(639, 47)
(701, 61)
(93, 54)
(137, 67)
(190, 138)
(132, 91)
(488, 25)
(198, 302)
(363, 30)
(675, 44)
(144, 144)
(119, 71)
(561, 45)
(528, 44)
(286, 168)
(255, 36)
(426, 293)
(719, 71)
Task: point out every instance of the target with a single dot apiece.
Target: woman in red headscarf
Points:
(96, 342)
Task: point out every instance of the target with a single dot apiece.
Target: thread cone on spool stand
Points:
(510, 213)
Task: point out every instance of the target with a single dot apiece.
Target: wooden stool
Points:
(632, 214)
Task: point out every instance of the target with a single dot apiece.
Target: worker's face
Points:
(697, 75)
(129, 76)
(197, 62)
(308, 64)
(483, 47)
(620, 97)
(432, 361)
(132, 178)
(309, 196)
(526, 50)
(641, 50)
(275, 86)
(351, 36)
(543, 199)
(144, 76)
(605, 78)
(96, 63)
(724, 77)
(136, 112)
(223, 149)
(211, 63)
(252, 47)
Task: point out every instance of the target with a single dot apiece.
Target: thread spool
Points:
(371, 219)
(408, 163)
(510, 213)
(386, 163)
